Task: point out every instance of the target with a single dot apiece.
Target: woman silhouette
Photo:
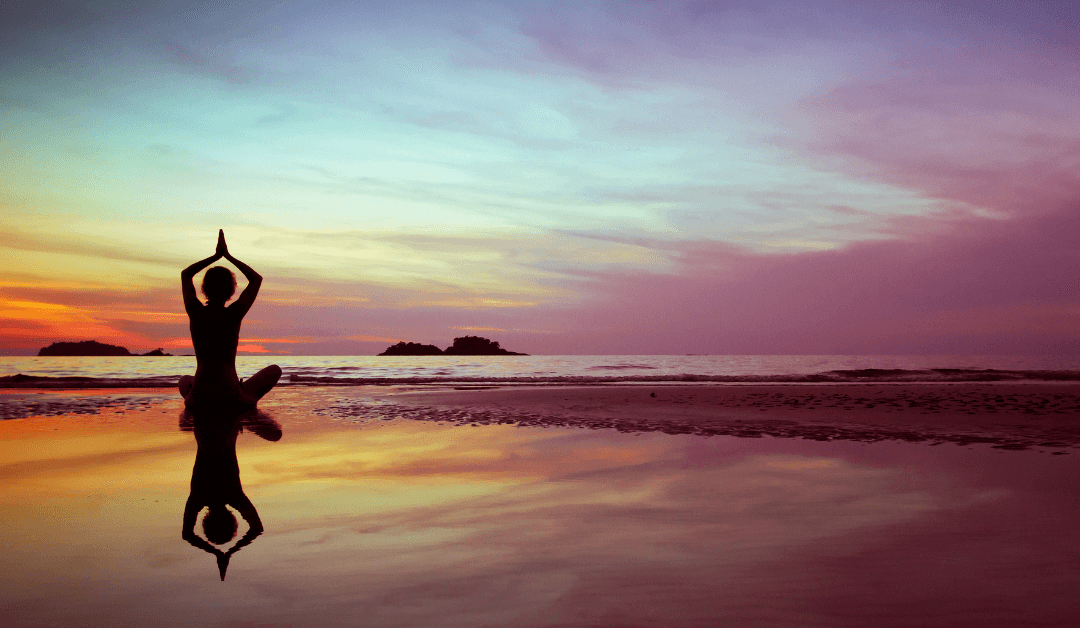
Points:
(215, 333)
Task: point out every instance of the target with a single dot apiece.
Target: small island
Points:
(467, 345)
(93, 348)
(412, 348)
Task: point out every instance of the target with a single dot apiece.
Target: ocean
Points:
(93, 372)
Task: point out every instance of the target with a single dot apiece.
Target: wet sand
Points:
(412, 522)
(1005, 415)
(1031, 415)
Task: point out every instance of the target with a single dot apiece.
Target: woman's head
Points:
(218, 284)
(219, 525)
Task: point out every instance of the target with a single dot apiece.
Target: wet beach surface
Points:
(1044, 416)
(387, 521)
(1029, 415)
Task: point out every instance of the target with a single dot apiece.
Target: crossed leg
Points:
(255, 387)
(260, 383)
(186, 384)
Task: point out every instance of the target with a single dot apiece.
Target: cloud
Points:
(993, 287)
(214, 65)
(287, 341)
(629, 176)
(983, 271)
(27, 325)
(370, 338)
(980, 127)
(80, 244)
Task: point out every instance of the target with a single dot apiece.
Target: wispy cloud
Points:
(681, 176)
(215, 65)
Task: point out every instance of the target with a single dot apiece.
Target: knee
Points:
(268, 376)
(185, 384)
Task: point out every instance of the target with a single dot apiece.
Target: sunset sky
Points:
(563, 177)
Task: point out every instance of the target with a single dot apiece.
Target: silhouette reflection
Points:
(215, 479)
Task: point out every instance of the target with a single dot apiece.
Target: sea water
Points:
(540, 369)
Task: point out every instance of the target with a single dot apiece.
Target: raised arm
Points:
(247, 510)
(187, 276)
(191, 513)
(247, 298)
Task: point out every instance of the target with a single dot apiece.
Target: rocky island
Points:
(412, 348)
(467, 345)
(93, 348)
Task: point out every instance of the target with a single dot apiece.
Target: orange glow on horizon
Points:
(33, 322)
(287, 341)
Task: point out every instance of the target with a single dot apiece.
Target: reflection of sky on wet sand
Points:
(408, 523)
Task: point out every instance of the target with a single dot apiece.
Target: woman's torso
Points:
(215, 334)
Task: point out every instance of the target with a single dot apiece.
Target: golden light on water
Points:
(417, 519)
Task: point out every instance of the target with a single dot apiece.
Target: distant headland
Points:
(93, 348)
(467, 345)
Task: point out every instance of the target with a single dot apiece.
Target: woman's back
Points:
(215, 334)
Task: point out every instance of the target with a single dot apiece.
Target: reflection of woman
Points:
(215, 482)
(215, 333)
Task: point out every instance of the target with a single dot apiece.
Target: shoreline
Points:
(31, 382)
(581, 373)
(1004, 415)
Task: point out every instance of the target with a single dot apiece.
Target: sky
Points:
(636, 177)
